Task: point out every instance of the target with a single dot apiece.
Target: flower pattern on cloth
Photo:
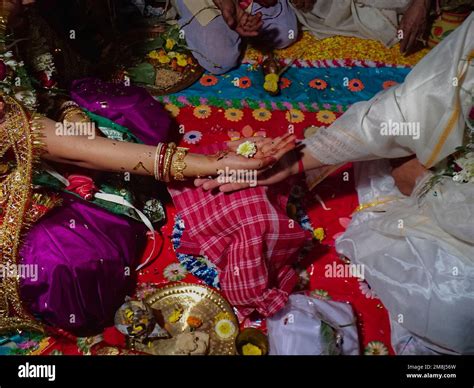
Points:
(376, 348)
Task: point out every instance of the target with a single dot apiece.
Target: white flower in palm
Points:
(247, 149)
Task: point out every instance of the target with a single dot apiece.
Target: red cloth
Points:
(249, 237)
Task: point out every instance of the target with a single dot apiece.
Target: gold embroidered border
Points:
(22, 136)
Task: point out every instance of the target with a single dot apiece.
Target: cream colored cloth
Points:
(370, 19)
(436, 97)
(205, 11)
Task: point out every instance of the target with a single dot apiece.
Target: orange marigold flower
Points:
(208, 80)
(355, 85)
(319, 84)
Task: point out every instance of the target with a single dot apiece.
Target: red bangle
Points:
(300, 166)
(160, 162)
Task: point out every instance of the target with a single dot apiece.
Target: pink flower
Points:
(82, 185)
(183, 100)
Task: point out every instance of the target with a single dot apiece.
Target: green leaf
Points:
(143, 73)
(152, 44)
(328, 340)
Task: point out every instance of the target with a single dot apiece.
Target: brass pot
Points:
(252, 336)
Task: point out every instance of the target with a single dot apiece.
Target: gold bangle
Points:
(72, 111)
(65, 111)
(84, 117)
(179, 165)
(168, 158)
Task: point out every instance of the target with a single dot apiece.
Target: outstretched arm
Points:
(104, 154)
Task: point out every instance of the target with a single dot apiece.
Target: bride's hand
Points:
(269, 152)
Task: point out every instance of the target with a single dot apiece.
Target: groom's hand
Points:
(413, 25)
(270, 152)
(244, 24)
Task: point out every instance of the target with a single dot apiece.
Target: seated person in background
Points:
(215, 29)
(387, 21)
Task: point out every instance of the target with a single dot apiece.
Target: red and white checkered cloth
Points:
(248, 236)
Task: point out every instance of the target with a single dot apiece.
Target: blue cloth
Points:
(337, 93)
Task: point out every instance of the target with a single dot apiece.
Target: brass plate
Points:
(199, 301)
(189, 79)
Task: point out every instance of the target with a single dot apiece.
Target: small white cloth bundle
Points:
(309, 326)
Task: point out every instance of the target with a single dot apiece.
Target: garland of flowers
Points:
(14, 81)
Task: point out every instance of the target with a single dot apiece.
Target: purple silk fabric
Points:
(130, 106)
(81, 271)
(81, 253)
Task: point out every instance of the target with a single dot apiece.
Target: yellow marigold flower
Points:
(326, 116)
(262, 114)
(202, 111)
(164, 59)
(295, 116)
(182, 60)
(233, 115)
(153, 54)
(170, 43)
(319, 234)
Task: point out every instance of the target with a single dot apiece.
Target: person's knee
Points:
(216, 47)
(220, 62)
(287, 33)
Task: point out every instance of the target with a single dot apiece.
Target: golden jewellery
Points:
(72, 111)
(179, 164)
(168, 158)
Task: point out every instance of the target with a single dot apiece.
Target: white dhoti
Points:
(369, 19)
